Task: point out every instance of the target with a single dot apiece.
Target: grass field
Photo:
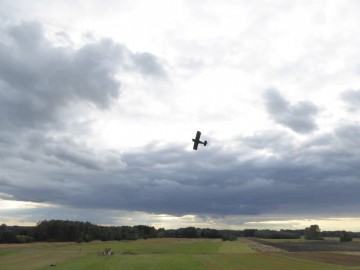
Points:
(164, 254)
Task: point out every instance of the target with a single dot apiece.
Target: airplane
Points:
(197, 140)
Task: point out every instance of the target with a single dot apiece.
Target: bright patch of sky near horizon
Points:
(267, 82)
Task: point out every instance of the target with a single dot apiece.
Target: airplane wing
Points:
(196, 143)
(196, 140)
(198, 134)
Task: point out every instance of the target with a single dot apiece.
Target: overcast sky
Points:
(99, 101)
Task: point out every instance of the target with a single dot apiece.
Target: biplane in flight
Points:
(197, 141)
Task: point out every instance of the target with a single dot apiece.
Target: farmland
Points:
(304, 246)
(172, 253)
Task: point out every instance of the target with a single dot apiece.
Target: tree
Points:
(312, 233)
(209, 233)
(161, 233)
(249, 232)
(188, 232)
(7, 236)
(346, 237)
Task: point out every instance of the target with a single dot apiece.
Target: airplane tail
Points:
(205, 143)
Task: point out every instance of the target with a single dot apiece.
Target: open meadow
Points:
(170, 254)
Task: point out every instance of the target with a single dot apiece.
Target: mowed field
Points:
(158, 254)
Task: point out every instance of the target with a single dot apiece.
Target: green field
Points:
(160, 254)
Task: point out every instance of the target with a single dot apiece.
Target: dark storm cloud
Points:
(38, 80)
(43, 88)
(300, 117)
(262, 175)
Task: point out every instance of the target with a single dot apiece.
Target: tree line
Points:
(77, 231)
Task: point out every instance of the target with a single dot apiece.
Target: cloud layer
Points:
(272, 151)
(255, 178)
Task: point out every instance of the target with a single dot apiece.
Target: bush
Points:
(229, 237)
(24, 239)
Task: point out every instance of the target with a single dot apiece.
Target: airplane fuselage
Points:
(198, 141)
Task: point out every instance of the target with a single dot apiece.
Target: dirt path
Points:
(264, 248)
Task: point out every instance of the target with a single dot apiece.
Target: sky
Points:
(100, 100)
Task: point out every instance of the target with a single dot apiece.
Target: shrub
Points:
(229, 237)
